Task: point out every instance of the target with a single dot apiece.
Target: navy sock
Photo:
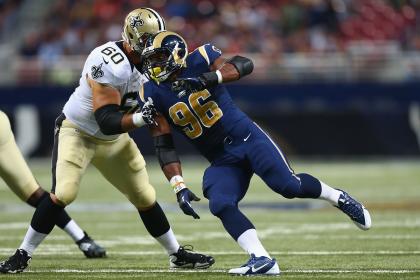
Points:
(234, 221)
(310, 186)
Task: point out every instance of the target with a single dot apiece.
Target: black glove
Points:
(184, 197)
(186, 86)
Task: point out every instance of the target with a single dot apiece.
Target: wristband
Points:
(219, 76)
(138, 119)
(177, 183)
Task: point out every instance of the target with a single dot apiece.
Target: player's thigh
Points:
(225, 186)
(13, 168)
(5, 129)
(268, 160)
(72, 153)
(122, 164)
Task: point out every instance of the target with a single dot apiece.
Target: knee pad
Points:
(144, 198)
(217, 205)
(5, 129)
(66, 192)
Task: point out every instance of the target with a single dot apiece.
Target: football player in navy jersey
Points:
(188, 93)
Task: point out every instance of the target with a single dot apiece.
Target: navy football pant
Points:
(226, 181)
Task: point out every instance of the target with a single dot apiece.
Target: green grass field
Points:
(310, 239)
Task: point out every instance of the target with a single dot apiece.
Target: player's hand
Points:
(148, 112)
(186, 86)
(184, 197)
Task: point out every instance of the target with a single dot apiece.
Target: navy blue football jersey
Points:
(207, 117)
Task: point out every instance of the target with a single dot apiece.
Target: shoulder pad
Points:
(107, 64)
(208, 52)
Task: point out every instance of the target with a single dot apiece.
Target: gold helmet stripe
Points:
(157, 42)
(161, 22)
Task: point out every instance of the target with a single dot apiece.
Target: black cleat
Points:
(187, 258)
(90, 248)
(16, 263)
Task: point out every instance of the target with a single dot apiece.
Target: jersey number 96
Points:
(202, 114)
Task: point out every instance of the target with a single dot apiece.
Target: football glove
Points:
(145, 115)
(184, 197)
(186, 86)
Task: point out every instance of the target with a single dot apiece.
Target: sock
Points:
(234, 221)
(310, 187)
(74, 231)
(329, 194)
(169, 242)
(155, 221)
(249, 242)
(32, 240)
(63, 219)
(45, 216)
(157, 225)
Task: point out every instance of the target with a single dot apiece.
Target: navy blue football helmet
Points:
(164, 54)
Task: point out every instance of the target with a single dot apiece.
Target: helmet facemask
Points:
(136, 45)
(159, 64)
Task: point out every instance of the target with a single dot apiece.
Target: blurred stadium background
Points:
(336, 83)
(332, 77)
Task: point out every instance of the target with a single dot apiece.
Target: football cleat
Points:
(187, 258)
(16, 263)
(355, 210)
(257, 266)
(90, 248)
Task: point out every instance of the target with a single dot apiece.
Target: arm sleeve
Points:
(165, 149)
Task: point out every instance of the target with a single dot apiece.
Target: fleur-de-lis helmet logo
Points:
(136, 21)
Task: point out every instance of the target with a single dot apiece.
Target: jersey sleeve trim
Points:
(203, 53)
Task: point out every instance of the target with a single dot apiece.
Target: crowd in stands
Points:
(8, 17)
(247, 26)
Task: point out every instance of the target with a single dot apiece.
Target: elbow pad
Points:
(109, 119)
(244, 65)
(165, 149)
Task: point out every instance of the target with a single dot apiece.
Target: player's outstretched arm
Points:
(222, 71)
(106, 105)
(229, 70)
(171, 165)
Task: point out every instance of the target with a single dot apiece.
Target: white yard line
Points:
(66, 251)
(285, 253)
(283, 228)
(209, 271)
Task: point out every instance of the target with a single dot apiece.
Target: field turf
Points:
(310, 239)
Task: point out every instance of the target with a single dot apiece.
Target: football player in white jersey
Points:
(92, 129)
(17, 175)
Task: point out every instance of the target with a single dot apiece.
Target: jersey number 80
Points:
(203, 114)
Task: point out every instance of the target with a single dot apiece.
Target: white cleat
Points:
(257, 266)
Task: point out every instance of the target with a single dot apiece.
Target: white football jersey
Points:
(106, 64)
